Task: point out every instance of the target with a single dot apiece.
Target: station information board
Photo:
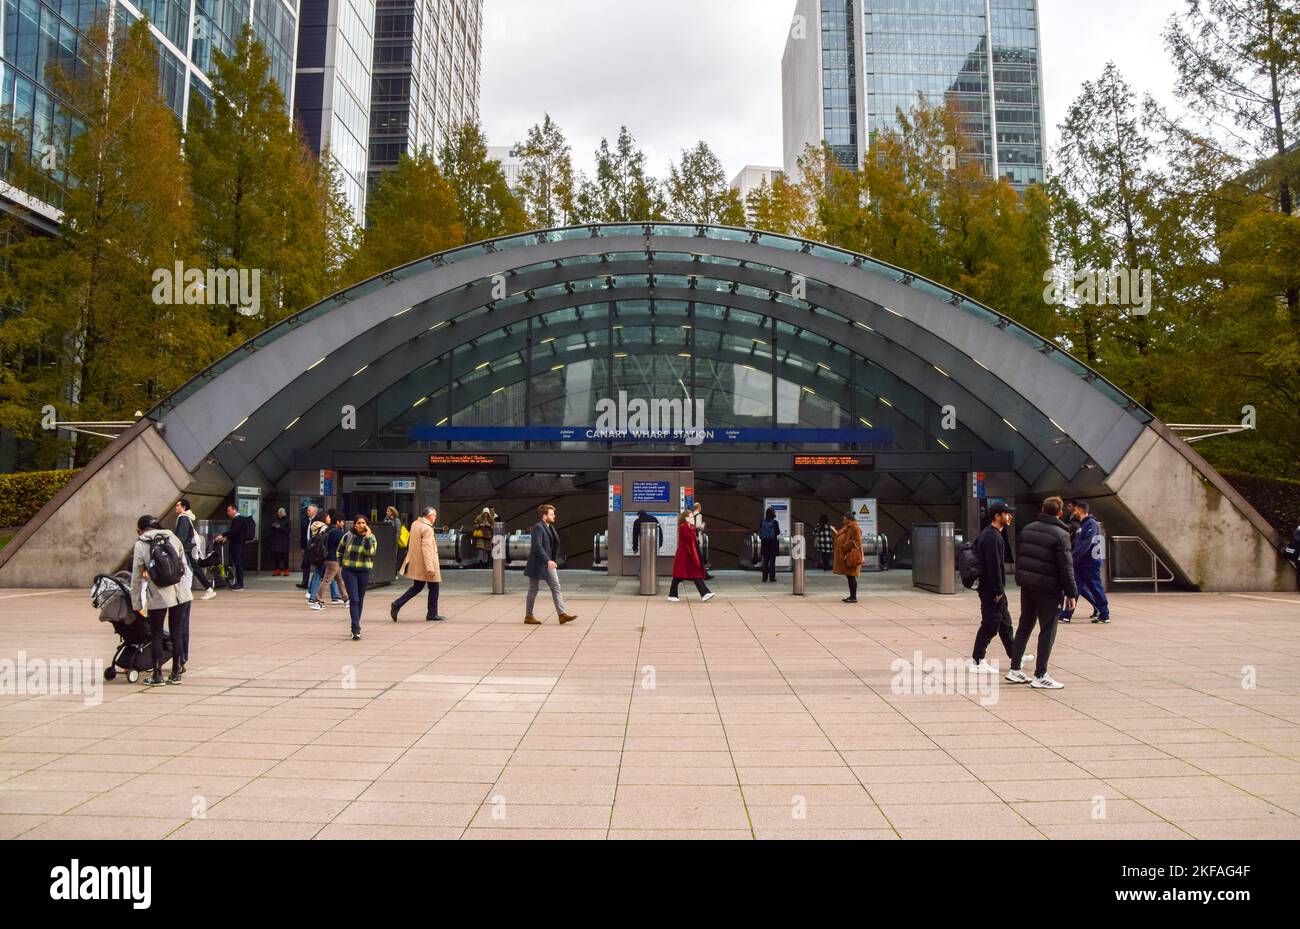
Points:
(468, 461)
(834, 462)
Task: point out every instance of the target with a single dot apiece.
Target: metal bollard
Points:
(649, 560)
(799, 559)
(499, 558)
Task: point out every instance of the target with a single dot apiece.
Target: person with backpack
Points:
(323, 551)
(687, 565)
(1045, 574)
(769, 542)
(849, 557)
(241, 532)
(985, 564)
(1088, 557)
(160, 588)
(189, 539)
(356, 553)
(422, 567)
(824, 539)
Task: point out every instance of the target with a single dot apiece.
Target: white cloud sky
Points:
(677, 71)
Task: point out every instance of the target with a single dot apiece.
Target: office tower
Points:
(333, 86)
(751, 178)
(426, 76)
(850, 65)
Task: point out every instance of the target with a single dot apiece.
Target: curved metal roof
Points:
(375, 346)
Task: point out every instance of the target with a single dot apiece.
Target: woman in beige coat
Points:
(157, 602)
(422, 567)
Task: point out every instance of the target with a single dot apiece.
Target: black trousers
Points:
(237, 560)
(416, 587)
(199, 574)
(306, 569)
(699, 585)
(1044, 609)
(853, 587)
(769, 548)
(995, 622)
(827, 559)
(172, 617)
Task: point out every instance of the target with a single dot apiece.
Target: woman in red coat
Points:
(686, 566)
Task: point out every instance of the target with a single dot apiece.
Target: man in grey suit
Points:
(543, 565)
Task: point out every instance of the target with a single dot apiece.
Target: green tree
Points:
(262, 200)
(85, 302)
(488, 209)
(547, 182)
(412, 213)
(698, 191)
(781, 206)
(623, 192)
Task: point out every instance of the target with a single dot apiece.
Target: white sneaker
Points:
(211, 592)
(709, 596)
(1017, 677)
(983, 668)
(306, 596)
(1046, 683)
(317, 605)
(338, 602)
(674, 599)
(1026, 660)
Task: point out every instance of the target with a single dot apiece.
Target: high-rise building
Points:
(850, 65)
(426, 76)
(39, 34)
(512, 166)
(333, 85)
(751, 178)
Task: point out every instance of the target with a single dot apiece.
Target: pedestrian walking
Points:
(242, 531)
(400, 532)
(824, 538)
(849, 556)
(1088, 556)
(304, 539)
(995, 612)
(160, 586)
(769, 542)
(327, 573)
(697, 520)
(188, 535)
(277, 542)
(422, 567)
(544, 559)
(1045, 574)
(687, 565)
(357, 550)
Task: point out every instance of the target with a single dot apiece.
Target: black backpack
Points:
(165, 567)
(316, 550)
(968, 565)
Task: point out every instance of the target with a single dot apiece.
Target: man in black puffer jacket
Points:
(1045, 575)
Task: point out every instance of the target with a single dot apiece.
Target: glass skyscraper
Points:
(333, 84)
(41, 33)
(426, 76)
(851, 65)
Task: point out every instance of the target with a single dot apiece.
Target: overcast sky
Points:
(677, 71)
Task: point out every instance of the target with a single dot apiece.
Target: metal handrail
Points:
(1156, 564)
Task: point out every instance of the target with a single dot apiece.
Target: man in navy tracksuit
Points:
(1087, 555)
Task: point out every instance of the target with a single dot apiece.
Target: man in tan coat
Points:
(421, 566)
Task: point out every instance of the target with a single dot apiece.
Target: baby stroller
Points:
(111, 595)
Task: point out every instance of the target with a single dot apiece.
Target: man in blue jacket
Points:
(1087, 555)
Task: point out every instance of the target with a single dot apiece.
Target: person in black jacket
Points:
(995, 614)
(304, 539)
(241, 532)
(186, 532)
(641, 519)
(1045, 574)
(544, 565)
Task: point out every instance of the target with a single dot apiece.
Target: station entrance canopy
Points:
(772, 341)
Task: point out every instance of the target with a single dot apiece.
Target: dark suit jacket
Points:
(546, 547)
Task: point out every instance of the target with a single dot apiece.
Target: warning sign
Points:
(864, 510)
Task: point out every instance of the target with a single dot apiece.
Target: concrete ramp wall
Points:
(89, 527)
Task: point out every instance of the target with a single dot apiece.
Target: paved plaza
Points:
(758, 715)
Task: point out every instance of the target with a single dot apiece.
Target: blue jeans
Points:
(416, 587)
(314, 584)
(356, 582)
